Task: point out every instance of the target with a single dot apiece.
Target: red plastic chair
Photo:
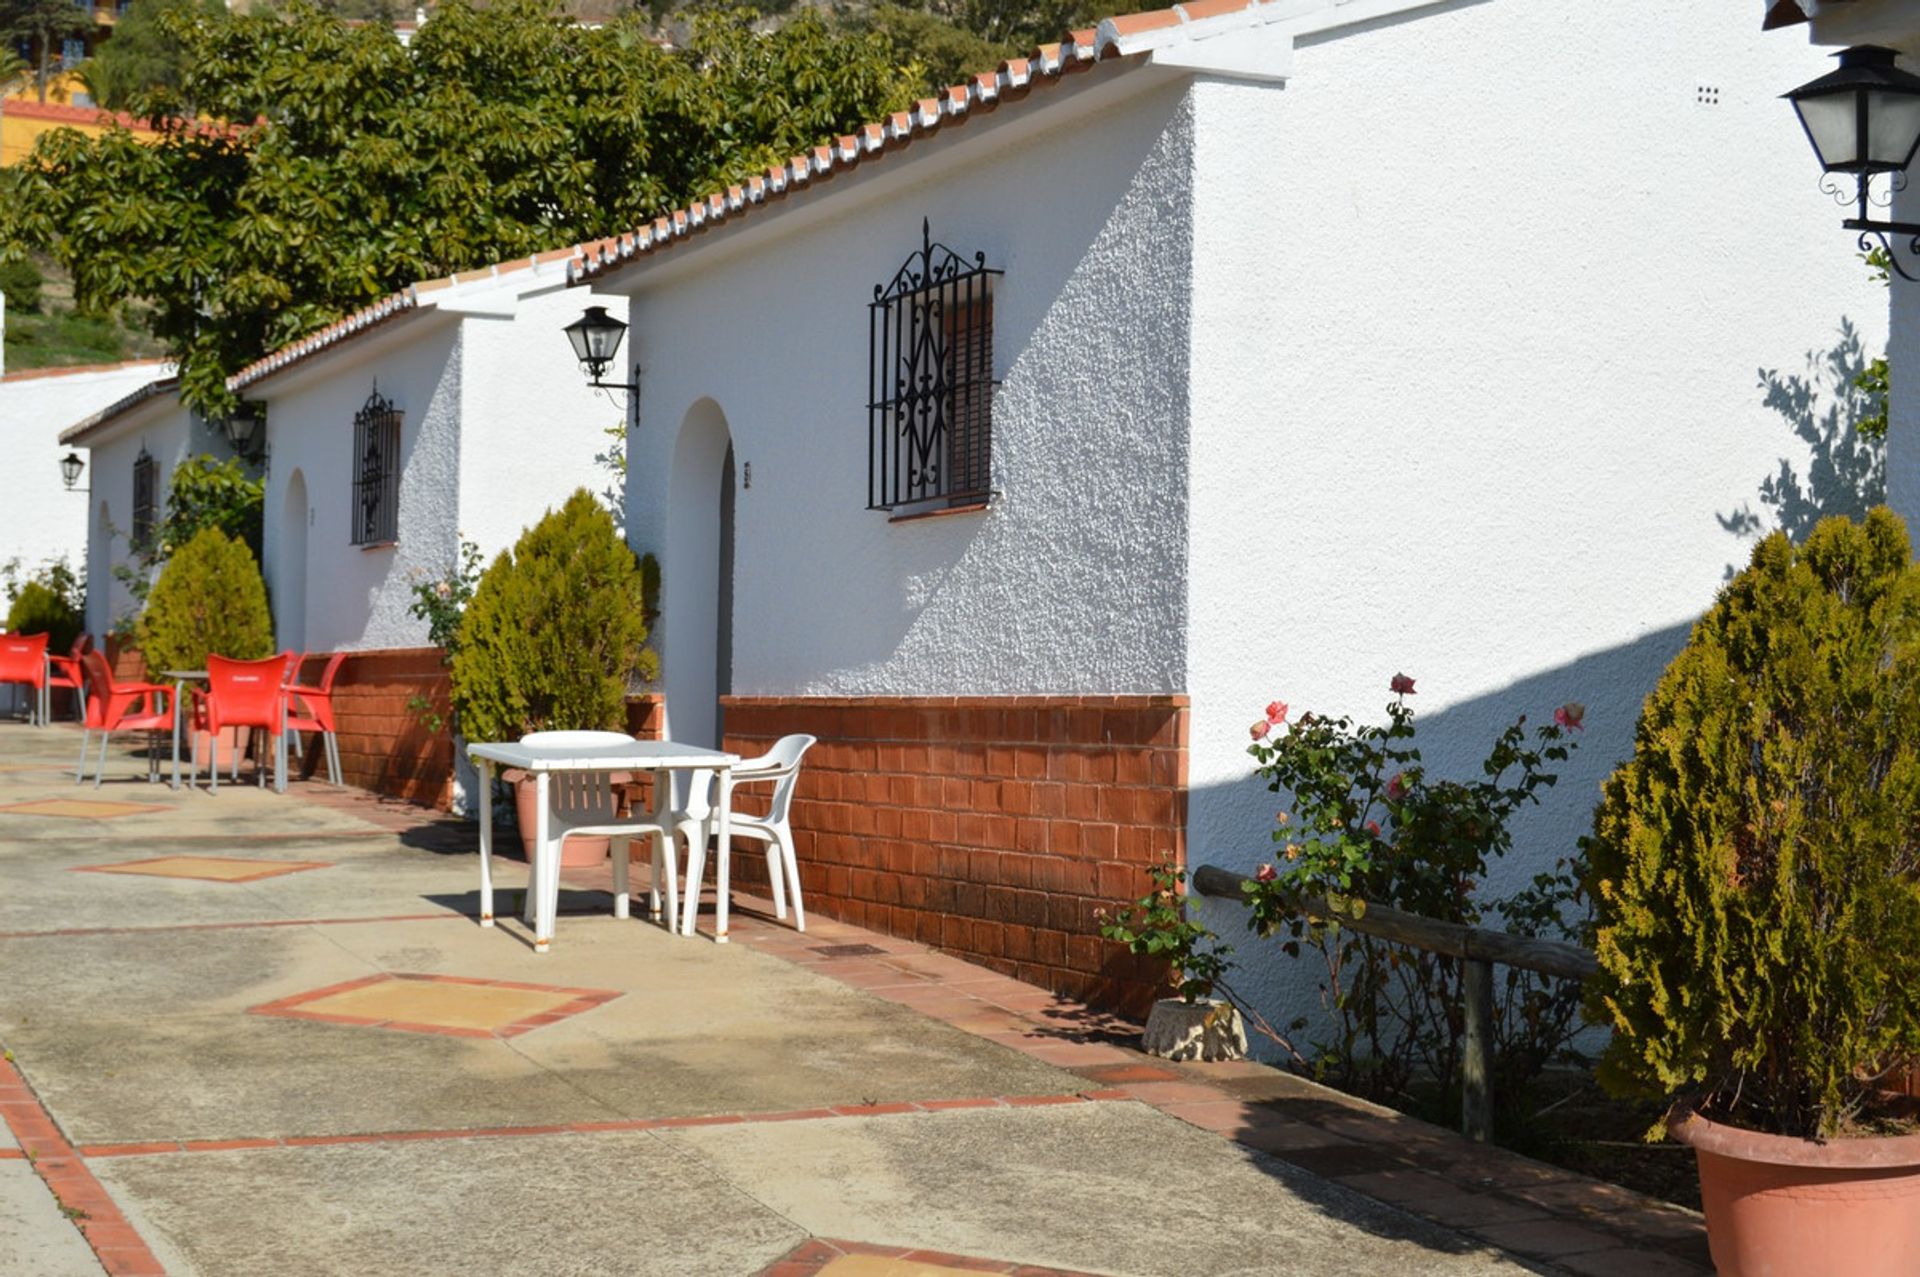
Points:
(244, 694)
(65, 671)
(310, 709)
(23, 662)
(122, 707)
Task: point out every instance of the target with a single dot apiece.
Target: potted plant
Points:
(209, 599)
(1194, 1025)
(1756, 873)
(555, 627)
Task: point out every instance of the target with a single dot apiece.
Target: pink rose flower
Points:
(1259, 728)
(1277, 713)
(1400, 685)
(1397, 786)
(1265, 873)
(1572, 716)
(1373, 827)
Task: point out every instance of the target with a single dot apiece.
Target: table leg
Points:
(178, 686)
(546, 866)
(723, 853)
(486, 842)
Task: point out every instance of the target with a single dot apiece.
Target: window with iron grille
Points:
(144, 519)
(376, 471)
(930, 381)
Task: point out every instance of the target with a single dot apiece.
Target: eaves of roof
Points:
(1128, 38)
(1787, 13)
(85, 432)
(426, 294)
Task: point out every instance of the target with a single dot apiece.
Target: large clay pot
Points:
(1783, 1207)
(576, 852)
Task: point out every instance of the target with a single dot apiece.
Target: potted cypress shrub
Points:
(210, 598)
(555, 628)
(1756, 876)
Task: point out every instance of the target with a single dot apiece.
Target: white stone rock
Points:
(1209, 1030)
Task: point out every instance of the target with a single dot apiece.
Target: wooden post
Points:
(1476, 1063)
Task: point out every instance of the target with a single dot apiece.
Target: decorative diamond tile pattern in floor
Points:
(827, 1257)
(78, 808)
(452, 1006)
(206, 868)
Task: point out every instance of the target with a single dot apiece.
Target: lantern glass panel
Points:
(1893, 128)
(1832, 122)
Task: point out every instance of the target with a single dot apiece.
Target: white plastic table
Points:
(540, 761)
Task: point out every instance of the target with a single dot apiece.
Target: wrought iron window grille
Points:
(145, 501)
(930, 381)
(376, 481)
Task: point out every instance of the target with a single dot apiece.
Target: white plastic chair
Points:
(779, 767)
(582, 803)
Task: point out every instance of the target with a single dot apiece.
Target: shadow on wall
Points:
(1232, 822)
(1845, 471)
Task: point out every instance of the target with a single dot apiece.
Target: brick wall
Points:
(383, 744)
(992, 827)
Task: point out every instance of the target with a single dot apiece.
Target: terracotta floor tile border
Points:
(153, 1148)
(120, 1249)
(268, 869)
(291, 1008)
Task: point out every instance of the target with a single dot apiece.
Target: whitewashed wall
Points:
(1074, 580)
(171, 435)
(1480, 300)
(40, 519)
(530, 424)
(357, 597)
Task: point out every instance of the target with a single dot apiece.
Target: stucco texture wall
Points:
(40, 519)
(1482, 296)
(1073, 581)
(531, 425)
(169, 434)
(357, 598)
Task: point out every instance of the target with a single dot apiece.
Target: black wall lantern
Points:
(246, 432)
(70, 467)
(596, 340)
(1863, 118)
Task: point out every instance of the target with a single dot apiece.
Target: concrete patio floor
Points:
(319, 1063)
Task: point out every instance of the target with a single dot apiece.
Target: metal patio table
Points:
(660, 757)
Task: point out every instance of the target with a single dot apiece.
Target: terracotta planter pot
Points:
(223, 746)
(1783, 1207)
(575, 852)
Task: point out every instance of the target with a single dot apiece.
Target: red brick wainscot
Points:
(990, 827)
(384, 743)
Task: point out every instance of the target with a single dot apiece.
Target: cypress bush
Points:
(554, 628)
(209, 599)
(39, 609)
(1754, 862)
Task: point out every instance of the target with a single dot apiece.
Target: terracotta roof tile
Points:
(126, 403)
(1124, 36)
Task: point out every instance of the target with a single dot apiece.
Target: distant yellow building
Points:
(24, 119)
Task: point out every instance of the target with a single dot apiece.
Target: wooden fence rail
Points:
(1478, 948)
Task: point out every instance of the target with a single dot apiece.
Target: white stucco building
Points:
(1330, 341)
(136, 443)
(41, 519)
(489, 424)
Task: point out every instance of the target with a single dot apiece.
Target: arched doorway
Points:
(696, 572)
(290, 567)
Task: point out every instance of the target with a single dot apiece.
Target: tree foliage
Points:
(209, 599)
(1756, 863)
(331, 165)
(205, 493)
(554, 629)
(146, 53)
(41, 609)
(42, 25)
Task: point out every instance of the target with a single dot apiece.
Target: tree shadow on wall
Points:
(1844, 471)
